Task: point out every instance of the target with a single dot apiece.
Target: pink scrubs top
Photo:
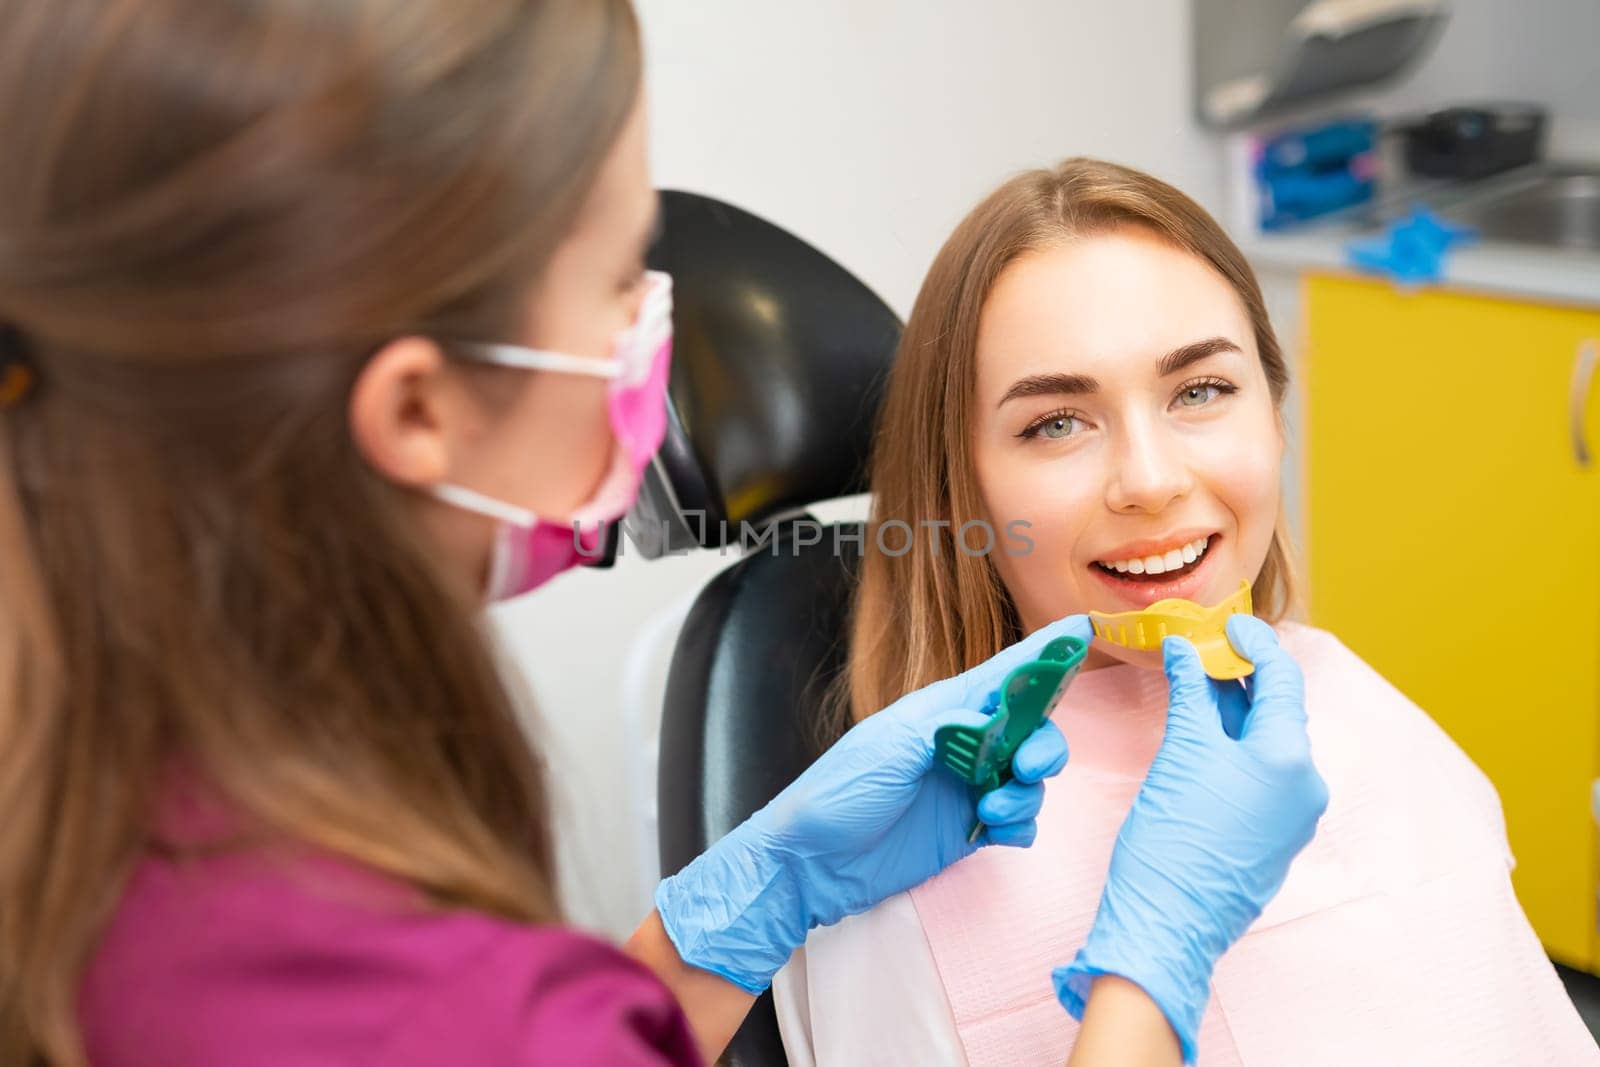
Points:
(256, 957)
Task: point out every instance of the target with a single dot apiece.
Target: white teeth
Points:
(1172, 560)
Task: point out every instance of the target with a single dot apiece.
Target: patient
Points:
(1090, 355)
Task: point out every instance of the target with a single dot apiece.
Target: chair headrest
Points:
(779, 361)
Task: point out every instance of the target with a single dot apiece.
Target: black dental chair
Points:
(779, 363)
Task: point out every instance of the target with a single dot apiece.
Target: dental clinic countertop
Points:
(1545, 275)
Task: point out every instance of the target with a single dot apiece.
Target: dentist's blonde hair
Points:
(935, 611)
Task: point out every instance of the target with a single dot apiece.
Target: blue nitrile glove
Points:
(874, 816)
(1413, 251)
(1210, 836)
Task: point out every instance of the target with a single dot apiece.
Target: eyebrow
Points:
(1079, 384)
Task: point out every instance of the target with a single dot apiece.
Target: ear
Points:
(402, 409)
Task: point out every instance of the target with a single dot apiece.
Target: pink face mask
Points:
(529, 549)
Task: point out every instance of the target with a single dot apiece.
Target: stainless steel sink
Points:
(1556, 206)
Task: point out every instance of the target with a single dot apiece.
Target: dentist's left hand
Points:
(874, 816)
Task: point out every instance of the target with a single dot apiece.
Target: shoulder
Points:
(1335, 675)
(1343, 687)
(322, 962)
(543, 995)
(1313, 647)
(1355, 715)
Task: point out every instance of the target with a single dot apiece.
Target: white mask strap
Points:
(484, 505)
(648, 330)
(539, 359)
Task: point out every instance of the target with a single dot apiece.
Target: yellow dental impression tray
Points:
(1143, 631)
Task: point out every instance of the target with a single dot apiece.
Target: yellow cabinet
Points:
(1453, 538)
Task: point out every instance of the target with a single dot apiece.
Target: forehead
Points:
(1111, 302)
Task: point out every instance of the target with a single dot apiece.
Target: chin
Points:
(1150, 661)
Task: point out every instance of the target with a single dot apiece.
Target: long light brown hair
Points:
(212, 212)
(935, 611)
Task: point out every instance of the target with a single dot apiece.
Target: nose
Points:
(1150, 470)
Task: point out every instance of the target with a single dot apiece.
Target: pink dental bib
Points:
(1396, 938)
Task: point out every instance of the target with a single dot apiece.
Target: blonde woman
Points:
(1090, 359)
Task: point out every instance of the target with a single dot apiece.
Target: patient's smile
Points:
(1170, 562)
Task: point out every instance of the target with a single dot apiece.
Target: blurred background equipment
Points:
(1257, 58)
(1474, 142)
(1305, 173)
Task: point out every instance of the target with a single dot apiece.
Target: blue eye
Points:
(1056, 427)
(1198, 394)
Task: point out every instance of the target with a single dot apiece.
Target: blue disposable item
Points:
(1305, 173)
(1413, 250)
(1331, 145)
(1290, 199)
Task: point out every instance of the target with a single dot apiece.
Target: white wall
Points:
(1541, 50)
(868, 127)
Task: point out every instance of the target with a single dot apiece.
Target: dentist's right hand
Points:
(873, 816)
(1211, 835)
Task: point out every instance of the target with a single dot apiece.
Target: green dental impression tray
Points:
(981, 755)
